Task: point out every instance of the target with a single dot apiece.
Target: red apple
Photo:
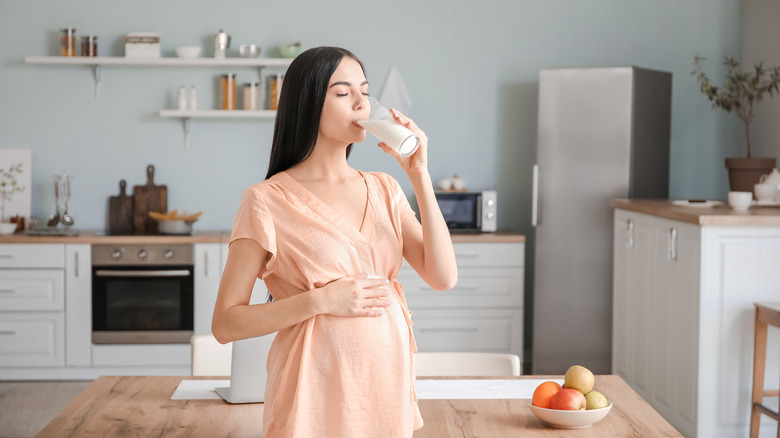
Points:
(568, 399)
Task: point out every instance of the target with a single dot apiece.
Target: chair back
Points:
(466, 364)
(209, 357)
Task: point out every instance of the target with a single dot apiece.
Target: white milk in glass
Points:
(394, 134)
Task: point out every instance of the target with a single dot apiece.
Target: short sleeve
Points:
(399, 198)
(254, 221)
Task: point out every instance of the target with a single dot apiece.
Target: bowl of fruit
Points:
(175, 223)
(574, 405)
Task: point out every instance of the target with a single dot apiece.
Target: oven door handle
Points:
(149, 273)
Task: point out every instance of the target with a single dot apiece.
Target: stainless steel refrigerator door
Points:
(584, 139)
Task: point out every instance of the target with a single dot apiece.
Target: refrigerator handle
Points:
(535, 197)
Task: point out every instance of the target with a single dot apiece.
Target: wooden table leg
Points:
(759, 367)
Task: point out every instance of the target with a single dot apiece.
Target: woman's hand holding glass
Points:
(355, 296)
(418, 161)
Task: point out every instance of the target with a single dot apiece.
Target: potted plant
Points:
(739, 92)
(8, 186)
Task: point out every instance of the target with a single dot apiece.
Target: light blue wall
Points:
(471, 67)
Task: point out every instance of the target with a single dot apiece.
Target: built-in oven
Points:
(142, 294)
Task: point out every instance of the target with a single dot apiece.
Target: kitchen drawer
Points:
(476, 287)
(490, 254)
(476, 330)
(155, 355)
(32, 289)
(32, 339)
(33, 255)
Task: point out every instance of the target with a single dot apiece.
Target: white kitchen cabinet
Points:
(208, 271)
(483, 312)
(683, 317)
(32, 296)
(78, 305)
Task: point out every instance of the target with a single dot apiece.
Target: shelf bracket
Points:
(186, 121)
(96, 69)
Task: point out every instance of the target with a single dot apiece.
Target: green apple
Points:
(580, 378)
(595, 400)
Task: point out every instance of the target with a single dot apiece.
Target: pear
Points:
(595, 400)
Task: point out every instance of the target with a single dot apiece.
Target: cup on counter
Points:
(740, 201)
(765, 192)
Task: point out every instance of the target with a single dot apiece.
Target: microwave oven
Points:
(469, 211)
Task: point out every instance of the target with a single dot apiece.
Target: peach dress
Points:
(333, 376)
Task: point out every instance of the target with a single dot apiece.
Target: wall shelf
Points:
(96, 62)
(213, 114)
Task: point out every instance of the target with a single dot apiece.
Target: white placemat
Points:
(478, 388)
(426, 389)
(198, 389)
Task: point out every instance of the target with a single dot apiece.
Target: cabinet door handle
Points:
(6, 256)
(535, 196)
(206, 263)
(448, 329)
(7, 291)
(76, 264)
(466, 256)
(629, 233)
(671, 253)
(7, 332)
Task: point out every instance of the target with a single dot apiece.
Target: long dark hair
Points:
(300, 106)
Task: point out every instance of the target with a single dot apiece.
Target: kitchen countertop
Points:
(717, 215)
(216, 236)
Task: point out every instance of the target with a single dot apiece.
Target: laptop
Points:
(247, 370)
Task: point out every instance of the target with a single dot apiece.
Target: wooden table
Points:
(119, 406)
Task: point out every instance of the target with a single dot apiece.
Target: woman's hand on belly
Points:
(353, 296)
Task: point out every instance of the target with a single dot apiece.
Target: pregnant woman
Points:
(329, 240)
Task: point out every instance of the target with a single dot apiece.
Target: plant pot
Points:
(745, 172)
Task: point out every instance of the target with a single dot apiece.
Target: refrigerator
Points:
(603, 133)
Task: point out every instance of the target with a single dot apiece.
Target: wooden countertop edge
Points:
(718, 215)
(217, 236)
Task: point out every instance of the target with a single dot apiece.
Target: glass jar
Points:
(228, 87)
(275, 85)
(68, 41)
(89, 45)
(251, 96)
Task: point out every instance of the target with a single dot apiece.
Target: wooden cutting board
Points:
(148, 198)
(120, 212)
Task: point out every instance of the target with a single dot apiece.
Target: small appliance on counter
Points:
(469, 212)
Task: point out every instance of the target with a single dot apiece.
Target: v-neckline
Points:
(328, 212)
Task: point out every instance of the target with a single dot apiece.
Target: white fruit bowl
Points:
(175, 227)
(188, 51)
(570, 419)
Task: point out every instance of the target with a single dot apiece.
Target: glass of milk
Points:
(383, 126)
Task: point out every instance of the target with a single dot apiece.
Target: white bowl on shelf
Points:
(570, 419)
(249, 50)
(188, 51)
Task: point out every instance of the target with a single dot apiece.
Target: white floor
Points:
(27, 407)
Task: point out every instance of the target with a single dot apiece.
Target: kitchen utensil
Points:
(290, 50)
(380, 122)
(249, 50)
(55, 218)
(66, 219)
(188, 51)
(740, 201)
(764, 191)
(221, 44)
(7, 228)
(120, 212)
(149, 197)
